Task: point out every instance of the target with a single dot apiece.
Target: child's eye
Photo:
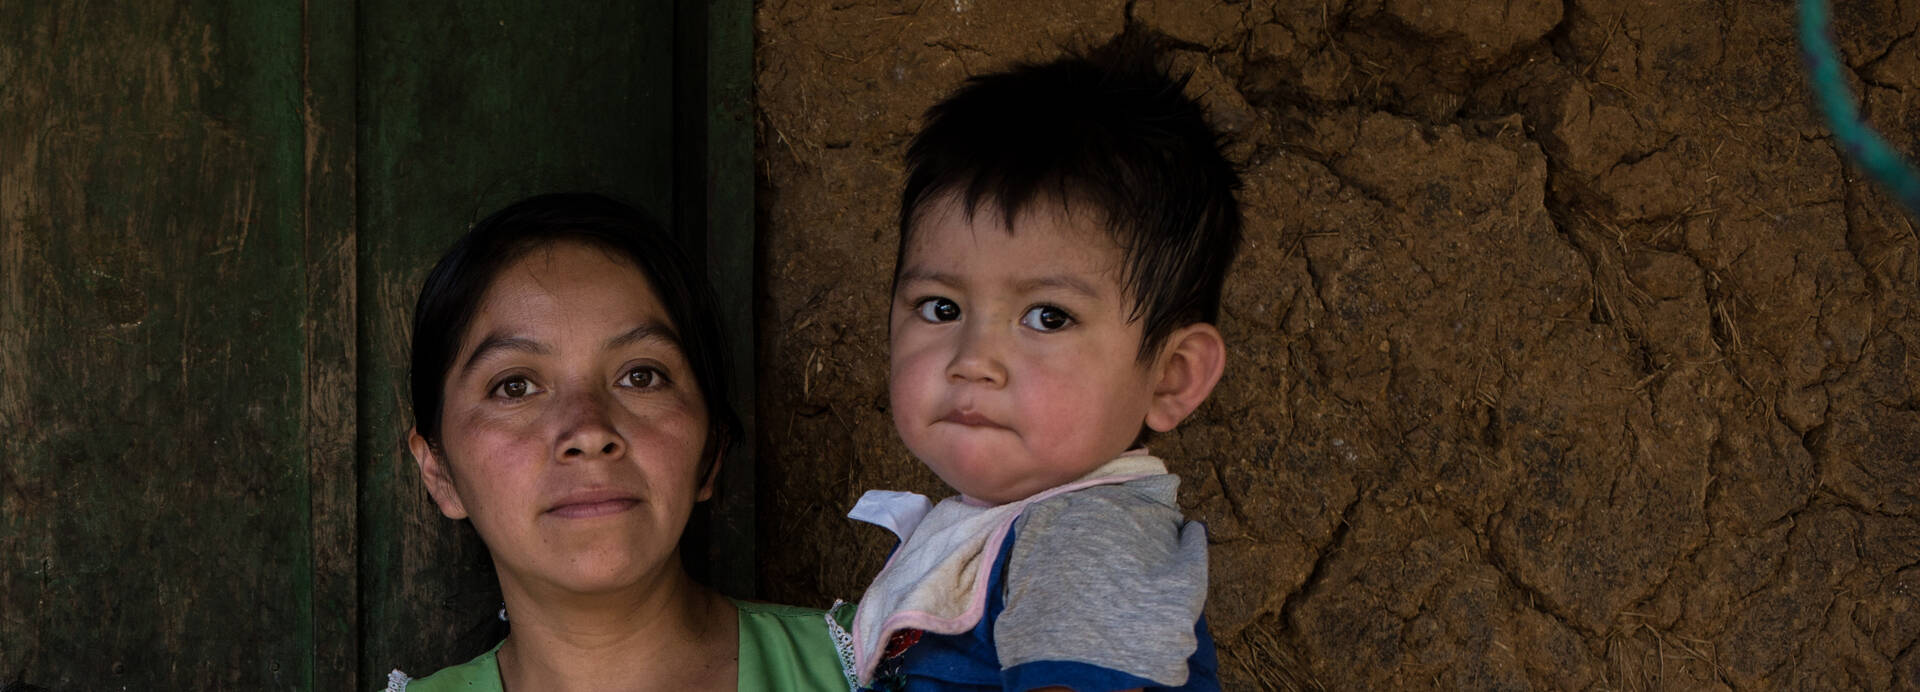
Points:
(515, 387)
(937, 310)
(644, 377)
(1046, 318)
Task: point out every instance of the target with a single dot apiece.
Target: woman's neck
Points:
(669, 634)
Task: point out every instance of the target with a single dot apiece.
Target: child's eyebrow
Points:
(1062, 281)
(912, 274)
(497, 342)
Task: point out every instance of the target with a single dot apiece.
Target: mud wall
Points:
(1566, 352)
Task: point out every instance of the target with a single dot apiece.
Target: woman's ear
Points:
(439, 479)
(1184, 373)
(713, 472)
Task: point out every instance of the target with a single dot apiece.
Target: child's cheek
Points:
(914, 374)
(1058, 394)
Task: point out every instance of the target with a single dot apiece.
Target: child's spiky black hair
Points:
(1108, 131)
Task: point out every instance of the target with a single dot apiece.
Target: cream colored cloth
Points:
(936, 581)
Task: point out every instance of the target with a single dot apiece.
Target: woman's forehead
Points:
(566, 289)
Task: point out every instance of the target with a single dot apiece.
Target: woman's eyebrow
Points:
(497, 342)
(645, 331)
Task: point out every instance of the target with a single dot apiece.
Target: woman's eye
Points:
(937, 310)
(643, 378)
(1046, 318)
(514, 388)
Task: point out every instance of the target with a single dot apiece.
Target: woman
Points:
(569, 398)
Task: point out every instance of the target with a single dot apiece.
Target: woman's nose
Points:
(588, 431)
(977, 358)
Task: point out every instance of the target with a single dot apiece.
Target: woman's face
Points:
(572, 430)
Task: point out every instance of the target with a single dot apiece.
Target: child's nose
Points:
(978, 359)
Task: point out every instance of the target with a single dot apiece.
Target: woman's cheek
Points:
(502, 438)
(672, 433)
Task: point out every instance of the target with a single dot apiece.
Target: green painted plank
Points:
(464, 108)
(154, 476)
(713, 73)
(328, 115)
(730, 243)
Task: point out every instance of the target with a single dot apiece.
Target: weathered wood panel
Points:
(155, 347)
(713, 69)
(213, 219)
(463, 109)
(328, 114)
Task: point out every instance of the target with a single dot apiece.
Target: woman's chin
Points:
(599, 580)
(595, 572)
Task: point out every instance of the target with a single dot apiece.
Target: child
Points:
(1064, 233)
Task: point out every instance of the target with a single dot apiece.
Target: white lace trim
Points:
(397, 681)
(842, 642)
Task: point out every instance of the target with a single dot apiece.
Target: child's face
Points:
(1013, 359)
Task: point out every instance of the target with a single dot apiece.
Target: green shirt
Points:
(781, 648)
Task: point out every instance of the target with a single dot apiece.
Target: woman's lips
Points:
(593, 504)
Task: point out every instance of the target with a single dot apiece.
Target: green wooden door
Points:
(213, 219)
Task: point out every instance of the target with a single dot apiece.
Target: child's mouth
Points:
(970, 419)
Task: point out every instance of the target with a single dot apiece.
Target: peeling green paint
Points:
(213, 217)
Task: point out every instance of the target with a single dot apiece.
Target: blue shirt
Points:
(970, 661)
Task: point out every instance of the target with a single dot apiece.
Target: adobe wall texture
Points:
(1565, 351)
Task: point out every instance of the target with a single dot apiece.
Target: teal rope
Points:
(1864, 146)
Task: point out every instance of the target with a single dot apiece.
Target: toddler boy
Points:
(1064, 233)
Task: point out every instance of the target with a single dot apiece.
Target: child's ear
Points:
(1188, 367)
(439, 479)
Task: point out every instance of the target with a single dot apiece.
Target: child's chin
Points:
(976, 476)
(971, 451)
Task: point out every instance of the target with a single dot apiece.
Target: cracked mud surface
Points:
(1566, 351)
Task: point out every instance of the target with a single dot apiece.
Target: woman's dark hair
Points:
(451, 296)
